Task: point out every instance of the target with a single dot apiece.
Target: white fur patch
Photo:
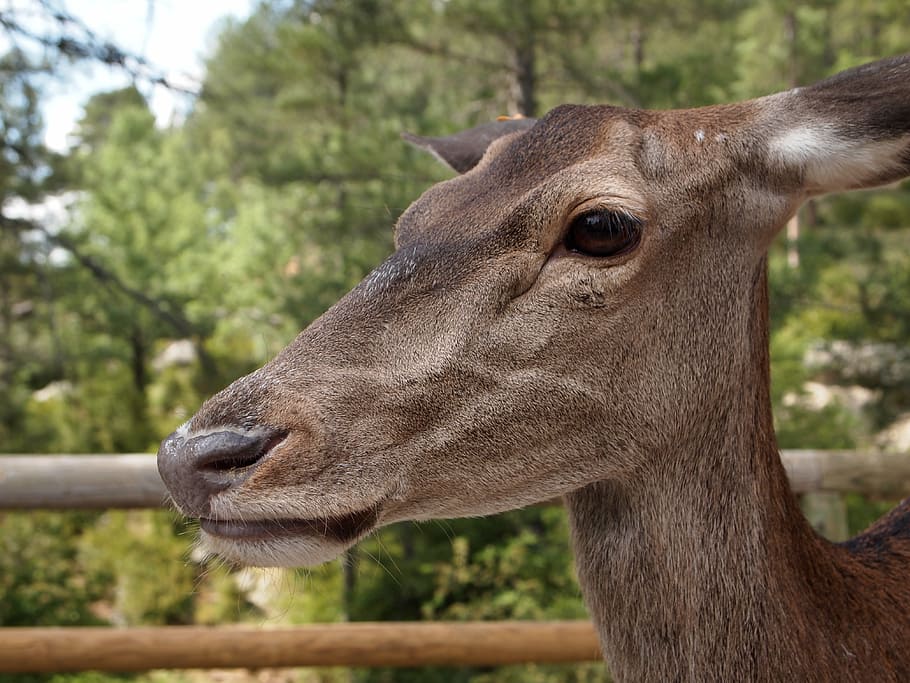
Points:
(831, 161)
(390, 272)
(300, 551)
(699, 135)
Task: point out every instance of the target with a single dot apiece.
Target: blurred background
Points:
(190, 224)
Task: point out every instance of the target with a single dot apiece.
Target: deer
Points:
(582, 311)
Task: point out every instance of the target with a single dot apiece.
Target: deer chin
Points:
(285, 542)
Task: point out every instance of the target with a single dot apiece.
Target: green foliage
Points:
(83, 677)
(520, 569)
(512, 566)
(143, 557)
(536, 673)
(830, 427)
(42, 579)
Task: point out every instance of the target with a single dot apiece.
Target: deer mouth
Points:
(343, 529)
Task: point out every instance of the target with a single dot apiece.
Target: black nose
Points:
(195, 469)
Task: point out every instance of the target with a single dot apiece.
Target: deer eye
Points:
(603, 233)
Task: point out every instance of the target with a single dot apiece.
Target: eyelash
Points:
(602, 233)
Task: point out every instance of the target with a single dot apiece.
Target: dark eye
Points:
(603, 233)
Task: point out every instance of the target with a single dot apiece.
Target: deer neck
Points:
(688, 572)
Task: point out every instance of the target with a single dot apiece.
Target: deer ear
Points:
(463, 150)
(847, 132)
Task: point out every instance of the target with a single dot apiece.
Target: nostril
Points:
(196, 468)
(228, 452)
(230, 461)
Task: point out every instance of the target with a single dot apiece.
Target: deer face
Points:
(568, 309)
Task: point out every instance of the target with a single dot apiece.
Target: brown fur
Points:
(483, 367)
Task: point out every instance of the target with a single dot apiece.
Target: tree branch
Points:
(174, 319)
(72, 39)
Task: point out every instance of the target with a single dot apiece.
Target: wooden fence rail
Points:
(131, 481)
(393, 644)
(80, 482)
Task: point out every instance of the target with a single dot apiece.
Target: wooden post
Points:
(878, 474)
(793, 241)
(827, 513)
(356, 644)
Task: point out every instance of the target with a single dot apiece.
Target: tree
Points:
(29, 348)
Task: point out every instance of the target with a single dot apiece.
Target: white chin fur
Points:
(278, 552)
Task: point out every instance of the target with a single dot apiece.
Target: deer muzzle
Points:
(196, 468)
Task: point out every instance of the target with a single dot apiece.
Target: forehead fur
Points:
(516, 165)
(565, 136)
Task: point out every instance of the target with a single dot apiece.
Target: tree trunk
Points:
(349, 580)
(638, 48)
(137, 360)
(791, 31)
(526, 77)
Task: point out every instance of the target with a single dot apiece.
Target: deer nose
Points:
(195, 468)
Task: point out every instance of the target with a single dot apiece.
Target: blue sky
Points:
(181, 33)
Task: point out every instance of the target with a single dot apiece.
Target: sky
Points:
(180, 34)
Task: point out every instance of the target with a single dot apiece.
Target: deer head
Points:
(580, 300)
